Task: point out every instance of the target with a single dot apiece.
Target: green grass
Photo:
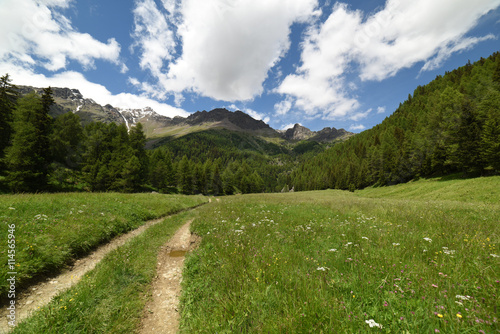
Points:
(110, 298)
(329, 261)
(484, 189)
(52, 229)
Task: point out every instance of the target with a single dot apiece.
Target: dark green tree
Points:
(28, 157)
(184, 176)
(8, 98)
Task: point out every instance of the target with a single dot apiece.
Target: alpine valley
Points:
(57, 139)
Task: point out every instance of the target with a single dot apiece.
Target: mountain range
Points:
(159, 126)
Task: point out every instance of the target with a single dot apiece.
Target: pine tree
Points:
(217, 178)
(184, 177)
(28, 157)
(158, 170)
(137, 140)
(66, 139)
(8, 98)
(490, 142)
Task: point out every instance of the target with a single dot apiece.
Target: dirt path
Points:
(161, 314)
(39, 295)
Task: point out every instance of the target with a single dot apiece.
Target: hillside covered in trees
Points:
(43, 150)
(451, 125)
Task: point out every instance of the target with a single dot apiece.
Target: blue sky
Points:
(315, 62)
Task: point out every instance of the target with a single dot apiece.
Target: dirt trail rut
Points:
(161, 312)
(39, 295)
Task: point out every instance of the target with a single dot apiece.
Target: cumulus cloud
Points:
(381, 110)
(36, 34)
(288, 126)
(254, 114)
(228, 47)
(357, 127)
(154, 38)
(97, 92)
(398, 36)
(283, 107)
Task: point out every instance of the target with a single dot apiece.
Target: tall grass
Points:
(336, 262)
(111, 297)
(52, 229)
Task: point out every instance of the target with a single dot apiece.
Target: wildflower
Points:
(333, 250)
(395, 244)
(463, 297)
(459, 315)
(428, 239)
(364, 238)
(11, 208)
(372, 323)
(323, 268)
(440, 315)
(434, 286)
(494, 255)
(436, 330)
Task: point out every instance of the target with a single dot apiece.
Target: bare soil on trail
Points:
(161, 313)
(42, 293)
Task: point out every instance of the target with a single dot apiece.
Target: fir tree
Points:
(8, 98)
(28, 157)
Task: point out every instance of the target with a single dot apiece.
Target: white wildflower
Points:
(463, 297)
(323, 268)
(333, 250)
(364, 238)
(11, 208)
(449, 251)
(494, 255)
(428, 239)
(395, 244)
(372, 323)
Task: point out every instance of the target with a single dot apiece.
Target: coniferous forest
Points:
(451, 125)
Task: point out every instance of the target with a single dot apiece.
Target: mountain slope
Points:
(299, 132)
(158, 126)
(451, 125)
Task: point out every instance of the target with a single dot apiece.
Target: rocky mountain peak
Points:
(298, 132)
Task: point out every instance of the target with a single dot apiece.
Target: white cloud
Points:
(381, 110)
(283, 107)
(88, 89)
(153, 36)
(399, 36)
(36, 34)
(360, 115)
(254, 114)
(357, 127)
(288, 126)
(228, 47)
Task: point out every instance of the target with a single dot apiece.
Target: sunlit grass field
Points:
(52, 229)
(419, 258)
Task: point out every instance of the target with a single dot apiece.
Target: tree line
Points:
(40, 153)
(451, 125)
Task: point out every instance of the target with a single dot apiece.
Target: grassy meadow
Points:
(416, 258)
(111, 297)
(52, 229)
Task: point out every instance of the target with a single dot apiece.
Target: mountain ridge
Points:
(158, 126)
